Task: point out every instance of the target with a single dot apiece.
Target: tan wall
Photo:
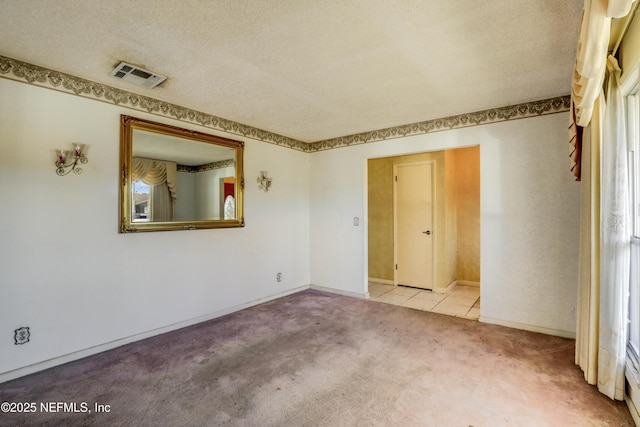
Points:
(450, 219)
(457, 176)
(380, 206)
(468, 211)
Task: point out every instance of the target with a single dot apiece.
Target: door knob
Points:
(428, 232)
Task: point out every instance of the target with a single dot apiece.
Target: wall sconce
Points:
(264, 181)
(66, 163)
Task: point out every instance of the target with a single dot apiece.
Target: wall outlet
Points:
(21, 335)
(279, 277)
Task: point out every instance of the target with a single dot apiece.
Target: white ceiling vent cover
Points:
(137, 75)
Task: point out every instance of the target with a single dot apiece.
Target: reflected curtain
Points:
(229, 207)
(162, 177)
(161, 203)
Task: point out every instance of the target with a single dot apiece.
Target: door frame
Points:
(433, 218)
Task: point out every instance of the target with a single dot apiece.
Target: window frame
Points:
(631, 93)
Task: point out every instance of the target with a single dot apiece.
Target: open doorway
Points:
(454, 234)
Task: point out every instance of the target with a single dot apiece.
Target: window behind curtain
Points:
(633, 126)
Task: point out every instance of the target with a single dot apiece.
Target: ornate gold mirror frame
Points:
(178, 179)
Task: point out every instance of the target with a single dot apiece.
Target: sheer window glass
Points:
(140, 202)
(633, 102)
(633, 126)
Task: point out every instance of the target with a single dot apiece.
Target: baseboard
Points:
(40, 366)
(632, 409)
(383, 281)
(632, 387)
(447, 289)
(360, 295)
(468, 283)
(527, 327)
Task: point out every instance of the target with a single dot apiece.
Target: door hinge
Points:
(396, 266)
(396, 178)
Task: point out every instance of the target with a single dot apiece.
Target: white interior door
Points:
(413, 213)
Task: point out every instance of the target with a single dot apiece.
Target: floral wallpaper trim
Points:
(40, 76)
(206, 167)
(493, 115)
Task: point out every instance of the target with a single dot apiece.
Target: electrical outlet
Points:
(21, 335)
(279, 277)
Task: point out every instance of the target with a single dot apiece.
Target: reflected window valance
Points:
(156, 172)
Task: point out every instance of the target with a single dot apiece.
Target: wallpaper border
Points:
(22, 71)
(207, 166)
(519, 111)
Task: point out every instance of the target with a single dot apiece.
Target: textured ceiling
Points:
(310, 70)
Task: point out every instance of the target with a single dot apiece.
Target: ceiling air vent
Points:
(137, 75)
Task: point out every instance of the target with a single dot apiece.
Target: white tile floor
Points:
(461, 301)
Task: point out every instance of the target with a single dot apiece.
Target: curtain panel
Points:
(154, 172)
(616, 241)
(588, 306)
(605, 214)
(591, 53)
(162, 177)
(605, 245)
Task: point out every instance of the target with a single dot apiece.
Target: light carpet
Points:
(318, 359)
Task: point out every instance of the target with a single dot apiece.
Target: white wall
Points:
(209, 190)
(67, 274)
(185, 207)
(529, 218)
(79, 285)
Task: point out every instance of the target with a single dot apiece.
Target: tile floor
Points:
(461, 301)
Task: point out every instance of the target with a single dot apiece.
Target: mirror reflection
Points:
(174, 178)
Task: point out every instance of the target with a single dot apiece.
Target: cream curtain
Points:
(161, 203)
(615, 235)
(588, 309)
(591, 53)
(162, 177)
(604, 239)
(154, 172)
(604, 244)
(229, 207)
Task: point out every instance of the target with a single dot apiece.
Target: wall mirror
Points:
(178, 179)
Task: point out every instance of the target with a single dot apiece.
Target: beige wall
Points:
(380, 197)
(468, 213)
(450, 220)
(453, 178)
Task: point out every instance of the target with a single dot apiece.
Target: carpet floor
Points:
(318, 359)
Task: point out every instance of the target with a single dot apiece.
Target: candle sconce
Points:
(264, 182)
(67, 161)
